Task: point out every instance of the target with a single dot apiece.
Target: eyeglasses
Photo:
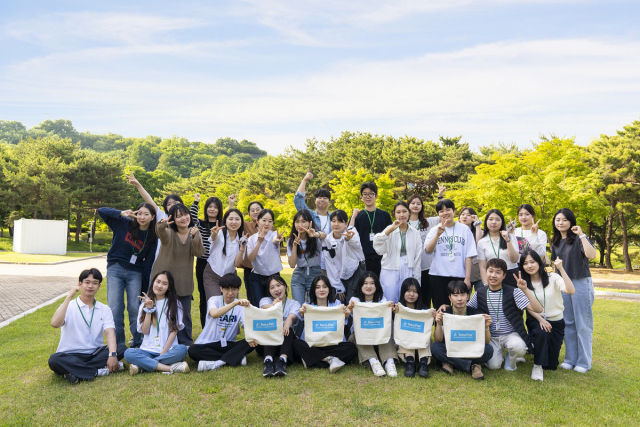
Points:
(367, 195)
(255, 210)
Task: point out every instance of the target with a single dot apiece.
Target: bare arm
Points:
(112, 362)
(170, 339)
(143, 193)
(482, 264)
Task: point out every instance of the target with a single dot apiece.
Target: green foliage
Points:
(346, 187)
(12, 132)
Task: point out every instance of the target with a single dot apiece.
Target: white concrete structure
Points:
(40, 236)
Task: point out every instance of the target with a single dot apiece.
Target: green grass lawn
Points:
(30, 394)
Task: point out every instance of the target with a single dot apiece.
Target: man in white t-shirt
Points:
(81, 353)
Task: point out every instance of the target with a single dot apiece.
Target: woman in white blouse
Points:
(498, 243)
(530, 236)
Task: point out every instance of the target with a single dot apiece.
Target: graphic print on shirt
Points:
(138, 244)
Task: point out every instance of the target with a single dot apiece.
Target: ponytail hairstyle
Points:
(471, 212)
(172, 303)
(313, 299)
(407, 284)
(134, 227)
(225, 231)
(424, 224)
(571, 236)
(312, 242)
(503, 243)
(544, 276)
(377, 296)
(218, 203)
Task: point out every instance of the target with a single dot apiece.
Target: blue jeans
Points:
(301, 282)
(439, 351)
(578, 319)
(258, 286)
(148, 360)
(119, 280)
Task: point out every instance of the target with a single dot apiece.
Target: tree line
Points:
(53, 171)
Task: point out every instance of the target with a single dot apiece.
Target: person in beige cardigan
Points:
(181, 242)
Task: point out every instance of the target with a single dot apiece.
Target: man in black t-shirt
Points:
(368, 223)
(459, 296)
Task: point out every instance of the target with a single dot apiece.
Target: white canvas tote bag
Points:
(464, 335)
(412, 328)
(372, 323)
(324, 326)
(264, 325)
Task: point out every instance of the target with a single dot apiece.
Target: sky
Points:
(280, 72)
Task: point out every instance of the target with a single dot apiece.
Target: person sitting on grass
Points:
(505, 305)
(459, 297)
(159, 320)
(217, 346)
(81, 354)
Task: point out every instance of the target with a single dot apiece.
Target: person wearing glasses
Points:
(368, 223)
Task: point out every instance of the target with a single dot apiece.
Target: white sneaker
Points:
(244, 361)
(580, 369)
(536, 373)
(181, 367)
(205, 365)
(120, 366)
(566, 366)
(102, 372)
(376, 367)
(521, 359)
(335, 364)
(133, 369)
(390, 366)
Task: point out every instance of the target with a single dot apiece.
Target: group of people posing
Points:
(463, 267)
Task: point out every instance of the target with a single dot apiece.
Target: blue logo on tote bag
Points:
(463, 335)
(325, 325)
(412, 326)
(265, 325)
(372, 322)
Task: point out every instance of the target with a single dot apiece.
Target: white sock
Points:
(268, 358)
(373, 360)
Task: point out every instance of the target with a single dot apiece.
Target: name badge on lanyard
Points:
(156, 341)
(451, 257)
(223, 342)
(134, 258)
(371, 236)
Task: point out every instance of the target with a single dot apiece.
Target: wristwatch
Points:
(477, 223)
(113, 354)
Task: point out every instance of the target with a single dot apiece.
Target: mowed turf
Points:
(30, 394)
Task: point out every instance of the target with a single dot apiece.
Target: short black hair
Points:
(91, 272)
(323, 192)
(369, 185)
(230, 280)
(457, 287)
(340, 215)
(445, 204)
(497, 263)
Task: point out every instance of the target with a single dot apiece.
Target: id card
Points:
(223, 342)
(371, 236)
(134, 258)
(156, 341)
(451, 257)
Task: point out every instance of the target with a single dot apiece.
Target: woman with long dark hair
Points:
(498, 243)
(129, 262)
(469, 217)
(575, 250)
(303, 253)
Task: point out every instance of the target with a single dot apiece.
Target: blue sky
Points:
(280, 72)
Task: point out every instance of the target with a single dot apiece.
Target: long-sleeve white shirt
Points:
(389, 247)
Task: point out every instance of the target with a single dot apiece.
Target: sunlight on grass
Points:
(16, 257)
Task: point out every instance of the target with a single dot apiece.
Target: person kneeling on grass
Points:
(81, 354)
(505, 305)
(159, 320)
(217, 346)
(334, 357)
(459, 297)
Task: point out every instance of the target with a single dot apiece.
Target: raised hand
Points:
(166, 221)
(193, 231)
(396, 224)
(440, 228)
(278, 238)
(215, 229)
(148, 302)
(296, 240)
(535, 227)
(441, 189)
(196, 197)
(505, 235)
(73, 289)
(577, 230)
(232, 199)
(310, 231)
(475, 218)
(308, 176)
(558, 264)
(522, 284)
(356, 211)
(262, 233)
(348, 234)
(129, 213)
(132, 179)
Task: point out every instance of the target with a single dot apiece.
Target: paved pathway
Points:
(23, 287)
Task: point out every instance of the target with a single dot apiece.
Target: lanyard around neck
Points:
(92, 313)
(160, 317)
(494, 309)
(371, 221)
